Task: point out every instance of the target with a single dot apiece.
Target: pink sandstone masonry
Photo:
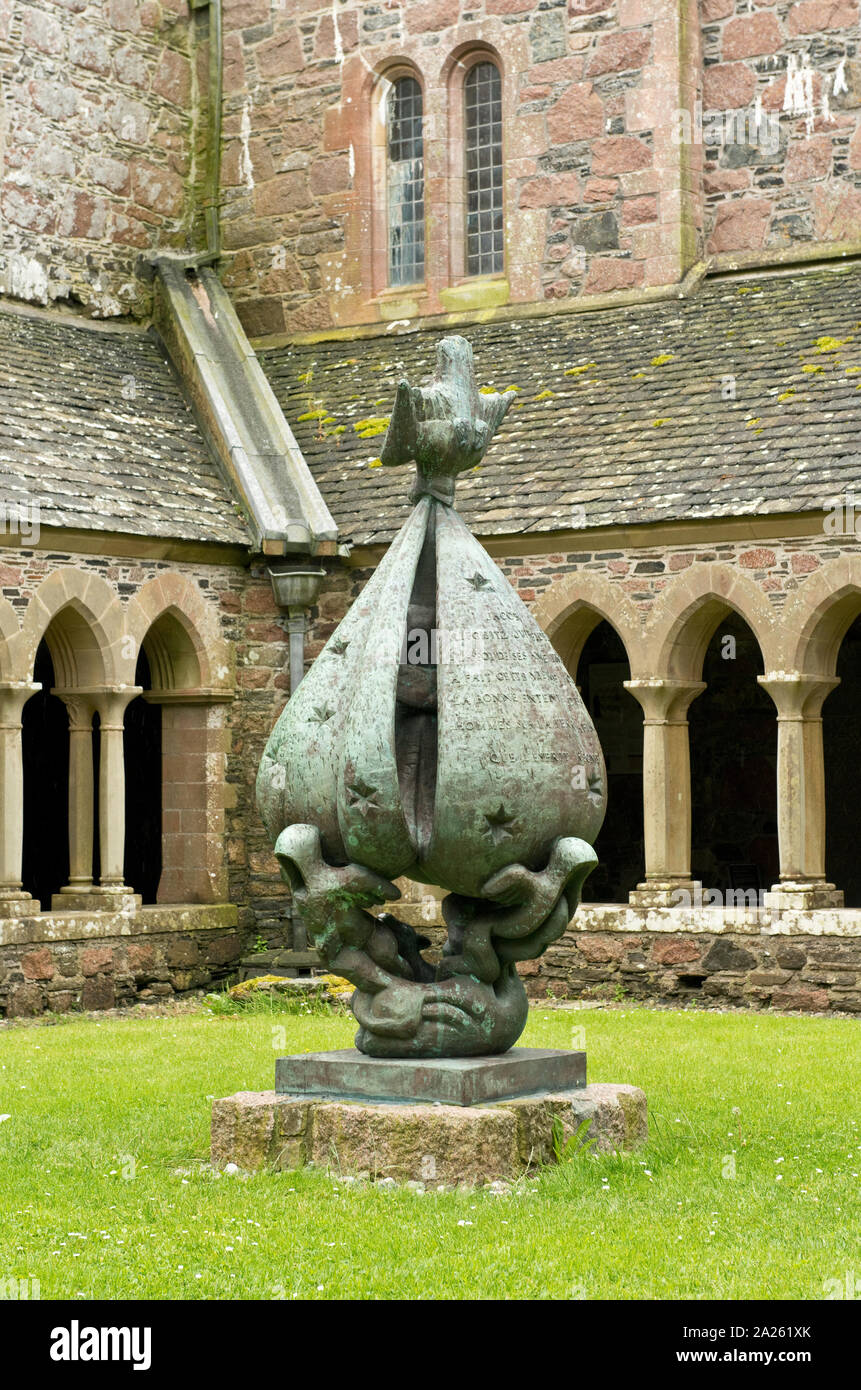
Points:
(162, 952)
(214, 846)
(799, 179)
(602, 191)
(778, 586)
(597, 194)
(105, 120)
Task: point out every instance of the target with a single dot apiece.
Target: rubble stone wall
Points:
(805, 962)
(793, 178)
(102, 144)
(65, 963)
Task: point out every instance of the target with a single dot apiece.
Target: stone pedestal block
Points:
(430, 1143)
(349, 1075)
(97, 899)
(802, 896)
(675, 892)
(15, 904)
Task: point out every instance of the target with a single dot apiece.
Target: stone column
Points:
(666, 791)
(14, 902)
(110, 705)
(80, 709)
(800, 791)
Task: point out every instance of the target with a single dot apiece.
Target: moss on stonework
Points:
(662, 359)
(487, 294)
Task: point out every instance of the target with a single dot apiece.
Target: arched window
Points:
(484, 229)
(405, 182)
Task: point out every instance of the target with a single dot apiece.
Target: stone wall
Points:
(597, 193)
(742, 958)
(263, 683)
(795, 179)
(611, 180)
(101, 145)
(104, 124)
(74, 962)
(246, 618)
(647, 953)
(775, 571)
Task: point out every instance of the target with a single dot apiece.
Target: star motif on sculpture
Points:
(595, 788)
(320, 714)
(359, 796)
(338, 647)
(478, 581)
(497, 825)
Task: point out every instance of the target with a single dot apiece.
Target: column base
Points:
(15, 903)
(802, 895)
(96, 899)
(666, 892)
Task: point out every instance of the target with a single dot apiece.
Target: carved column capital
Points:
(664, 700)
(110, 705)
(80, 709)
(798, 695)
(13, 698)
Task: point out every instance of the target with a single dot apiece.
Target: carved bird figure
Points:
(445, 428)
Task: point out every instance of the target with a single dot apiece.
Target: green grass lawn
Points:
(104, 1192)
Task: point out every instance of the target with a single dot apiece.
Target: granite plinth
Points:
(349, 1075)
(425, 1142)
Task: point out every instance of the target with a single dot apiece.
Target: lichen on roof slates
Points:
(641, 424)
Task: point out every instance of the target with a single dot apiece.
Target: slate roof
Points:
(627, 414)
(95, 428)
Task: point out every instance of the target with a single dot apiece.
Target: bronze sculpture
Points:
(438, 736)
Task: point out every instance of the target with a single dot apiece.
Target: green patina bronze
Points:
(439, 737)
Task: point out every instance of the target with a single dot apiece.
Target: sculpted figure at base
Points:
(438, 737)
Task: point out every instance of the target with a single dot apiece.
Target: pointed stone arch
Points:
(687, 612)
(192, 671)
(80, 617)
(176, 625)
(819, 615)
(572, 606)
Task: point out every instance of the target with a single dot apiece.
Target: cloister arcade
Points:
(729, 726)
(744, 759)
(112, 746)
